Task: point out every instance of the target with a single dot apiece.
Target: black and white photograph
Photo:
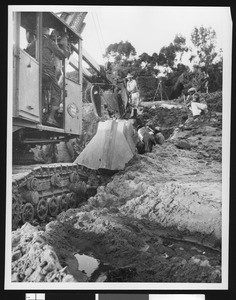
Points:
(118, 148)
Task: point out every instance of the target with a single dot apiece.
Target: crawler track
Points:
(41, 191)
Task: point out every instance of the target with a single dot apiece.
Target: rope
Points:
(100, 31)
(97, 35)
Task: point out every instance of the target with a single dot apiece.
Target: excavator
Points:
(43, 191)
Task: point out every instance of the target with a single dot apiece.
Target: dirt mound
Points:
(214, 101)
(171, 114)
(33, 259)
(164, 117)
(156, 221)
(159, 220)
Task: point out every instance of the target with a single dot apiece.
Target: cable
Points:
(100, 30)
(97, 35)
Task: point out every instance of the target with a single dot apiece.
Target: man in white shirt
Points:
(134, 99)
(198, 105)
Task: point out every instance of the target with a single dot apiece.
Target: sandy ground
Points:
(159, 220)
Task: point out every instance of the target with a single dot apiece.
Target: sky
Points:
(148, 28)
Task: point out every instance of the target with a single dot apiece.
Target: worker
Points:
(148, 136)
(146, 140)
(159, 137)
(50, 50)
(133, 92)
(57, 61)
(198, 106)
(189, 98)
(205, 82)
(61, 39)
(188, 101)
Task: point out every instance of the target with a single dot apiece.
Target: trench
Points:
(152, 253)
(114, 237)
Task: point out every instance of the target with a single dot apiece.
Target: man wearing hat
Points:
(189, 99)
(132, 89)
(198, 105)
(50, 51)
(191, 92)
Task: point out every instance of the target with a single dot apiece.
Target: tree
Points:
(120, 51)
(204, 39)
(180, 45)
(179, 42)
(215, 76)
(168, 54)
(144, 57)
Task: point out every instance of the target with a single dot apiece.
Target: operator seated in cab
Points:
(51, 52)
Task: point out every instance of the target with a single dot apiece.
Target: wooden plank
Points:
(73, 66)
(50, 128)
(80, 63)
(82, 28)
(74, 48)
(74, 63)
(90, 61)
(86, 72)
(73, 60)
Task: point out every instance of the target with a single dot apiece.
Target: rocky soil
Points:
(159, 220)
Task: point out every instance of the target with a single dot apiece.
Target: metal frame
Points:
(16, 55)
(39, 56)
(53, 21)
(18, 121)
(80, 63)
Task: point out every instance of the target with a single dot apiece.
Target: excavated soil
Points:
(159, 220)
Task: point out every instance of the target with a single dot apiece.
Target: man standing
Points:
(50, 52)
(132, 89)
(189, 99)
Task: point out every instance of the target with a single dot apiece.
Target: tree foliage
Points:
(120, 51)
(168, 54)
(179, 78)
(204, 39)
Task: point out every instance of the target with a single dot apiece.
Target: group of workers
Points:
(194, 103)
(148, 137)
(55, 48)
(53, 54)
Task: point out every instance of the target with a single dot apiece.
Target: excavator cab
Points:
(32, 92)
